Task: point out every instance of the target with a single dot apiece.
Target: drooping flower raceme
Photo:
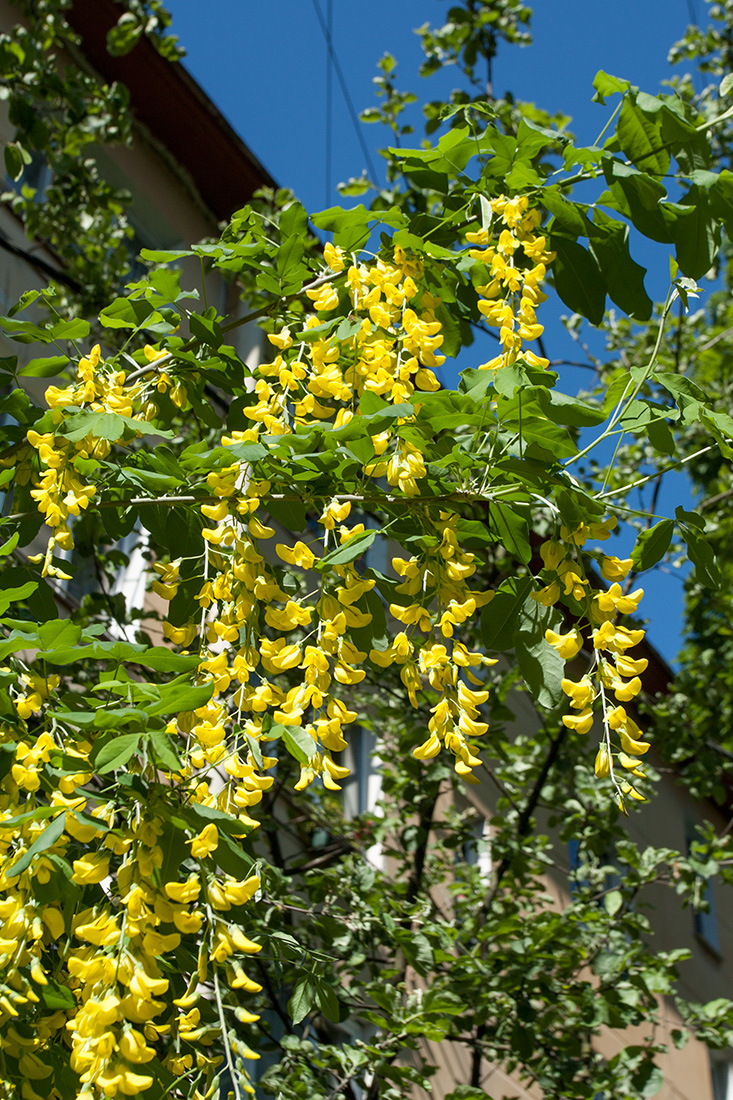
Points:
(271, 640)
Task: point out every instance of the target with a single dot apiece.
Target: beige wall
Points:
(666, 821)
(166, 212)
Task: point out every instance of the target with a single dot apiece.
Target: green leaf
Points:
(726, 85)
(352, 549)
(45, 368)
(299, 744)
(16, 641)
(26, 299)
(374, 634)
(624, 278)
(511, 529)
(175, 698)
(639, 196)
(499, 616)
(520, 375)
(40, 813)
(687, 394)
(351, 228)
(164, 750)
(55, 996)
(467, 1092)
(158, 256)
(206, 329)
(327, 1001)
(255, 749)
(541, 666)
(569, 217)
(302, 1000)
(640, 138)
(60, 632)
(652, 545)
(125, 34)
(74, 329)
(47, 839)
(225, 823)
(293, 221)
(453, 337)
(578, 278)
(561, 408)
(699, 550)
(697, 234)
(14, 162)
(25, 332)
(128, 313)
(109, 426)
(10, 545)
(543, 439)
(614, 900)
(164, 660)
(661, 438)
(115, 752)
(605, 84)
(112, 651)
(290, 514)
(16, 595)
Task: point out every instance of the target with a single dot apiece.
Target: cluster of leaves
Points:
(383, 926)
(62, 114)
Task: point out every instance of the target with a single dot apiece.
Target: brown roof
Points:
(166, 98)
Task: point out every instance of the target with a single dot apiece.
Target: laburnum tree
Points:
(180, 889)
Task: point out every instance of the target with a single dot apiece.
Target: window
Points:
(377, 556)
(706, 922)
(705, 919)
(363, 787)
(36, 175)
(721, 1073)
(476, 852)
(130, 580)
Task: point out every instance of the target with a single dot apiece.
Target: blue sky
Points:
(265, 66)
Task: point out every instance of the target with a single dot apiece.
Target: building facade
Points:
(187, 171)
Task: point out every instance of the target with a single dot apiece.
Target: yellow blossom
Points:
(205, 842)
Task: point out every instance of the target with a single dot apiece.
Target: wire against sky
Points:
(329, 101)
(696, 75)
(347, 97)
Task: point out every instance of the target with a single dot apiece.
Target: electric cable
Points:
(345, 90)
(329, 101)
(692, 14)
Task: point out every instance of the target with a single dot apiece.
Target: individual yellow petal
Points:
(205, 842)
(581, 723)
(602, 763)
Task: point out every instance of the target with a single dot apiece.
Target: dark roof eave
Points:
(176, 111)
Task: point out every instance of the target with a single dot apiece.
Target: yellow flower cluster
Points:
(121, 946)
(279, 663)
(107, 988)
(517, 260)
(391, 351)
(438, 600)
(612, 669)
(117, 971)
(60, 492)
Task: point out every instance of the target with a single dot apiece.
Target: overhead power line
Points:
(692, 13)
(347, 97)
(329, 100)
